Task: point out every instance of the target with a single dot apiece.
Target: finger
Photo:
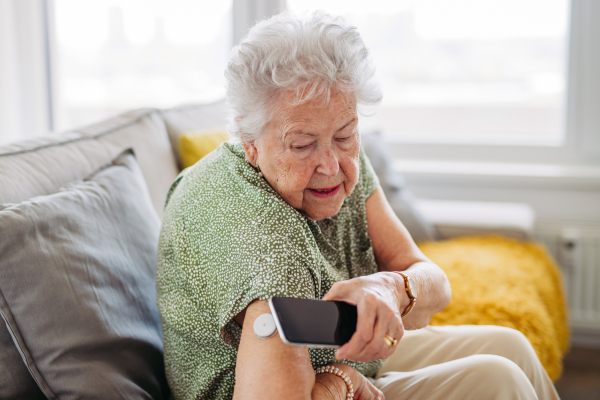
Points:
(338, 291)
(395, 330)
(333, 291)
(365, 325)
(378, 348)
(397, 327)
(389, 323)
(369, 391)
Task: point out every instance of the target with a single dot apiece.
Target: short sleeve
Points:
(228, 251)
(276, 265)
(368, 178)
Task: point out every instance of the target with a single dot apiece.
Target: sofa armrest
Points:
(459, 218)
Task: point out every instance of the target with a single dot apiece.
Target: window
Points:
(463, 79)
(115, 55)
(464, 71)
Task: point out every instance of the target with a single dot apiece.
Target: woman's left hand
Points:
(379, 298)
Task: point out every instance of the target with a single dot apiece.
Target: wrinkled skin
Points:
(310, 146)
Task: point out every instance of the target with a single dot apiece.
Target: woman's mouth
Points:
(325, 192)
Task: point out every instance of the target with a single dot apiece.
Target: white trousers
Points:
(464, 362)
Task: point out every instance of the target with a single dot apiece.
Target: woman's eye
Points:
(300, 148)
(343, 139)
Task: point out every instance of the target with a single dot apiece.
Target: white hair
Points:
(307, 57)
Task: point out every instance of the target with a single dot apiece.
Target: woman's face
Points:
(309, 153)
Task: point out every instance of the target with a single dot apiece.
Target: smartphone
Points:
(313, 323)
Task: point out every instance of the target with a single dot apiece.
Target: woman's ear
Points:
(251, 152)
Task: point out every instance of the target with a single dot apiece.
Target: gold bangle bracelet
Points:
(409, 291)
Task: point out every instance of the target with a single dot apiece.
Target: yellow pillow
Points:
(193, 146)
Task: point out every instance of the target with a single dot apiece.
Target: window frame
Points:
(581, 143)
(582, 131)
(27, 71)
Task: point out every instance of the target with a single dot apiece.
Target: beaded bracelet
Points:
(330, 369)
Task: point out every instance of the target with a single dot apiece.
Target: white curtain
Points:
(25, 108)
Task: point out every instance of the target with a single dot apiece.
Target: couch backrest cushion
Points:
(144, 131)
(41, 166)
(77, 286)
(193, 118)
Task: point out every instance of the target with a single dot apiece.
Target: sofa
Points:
(80, 216)
(77, 295)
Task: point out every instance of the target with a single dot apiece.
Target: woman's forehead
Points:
(314, 125)
(320, 98)
(341, 106)
(310, 127)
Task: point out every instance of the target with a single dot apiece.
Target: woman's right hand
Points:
(367, 391)
(363, 388)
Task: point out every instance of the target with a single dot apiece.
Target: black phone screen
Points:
(315, 322)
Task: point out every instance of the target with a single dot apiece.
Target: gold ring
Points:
(390, 341)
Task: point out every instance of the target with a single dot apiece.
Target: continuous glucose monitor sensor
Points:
(264, 326)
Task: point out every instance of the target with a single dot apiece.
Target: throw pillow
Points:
(193, 146)
(77, 286)
(193, 117)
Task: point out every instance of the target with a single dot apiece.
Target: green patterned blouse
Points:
(228, 238)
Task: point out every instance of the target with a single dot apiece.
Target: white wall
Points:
(554, 192)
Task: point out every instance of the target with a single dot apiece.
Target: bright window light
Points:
(117, 55)
(464, 71)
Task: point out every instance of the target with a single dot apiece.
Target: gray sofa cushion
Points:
(42, 165)
(77, 286)
(398, 195)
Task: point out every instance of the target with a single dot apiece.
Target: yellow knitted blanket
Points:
(501, 281)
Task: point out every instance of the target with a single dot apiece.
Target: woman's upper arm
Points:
(268, 368)
(393, 247)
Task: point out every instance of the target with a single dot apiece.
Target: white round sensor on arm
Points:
(264, 326)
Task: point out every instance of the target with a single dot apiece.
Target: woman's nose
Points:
(328, 163)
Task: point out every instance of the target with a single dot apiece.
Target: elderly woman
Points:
(294, 209)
